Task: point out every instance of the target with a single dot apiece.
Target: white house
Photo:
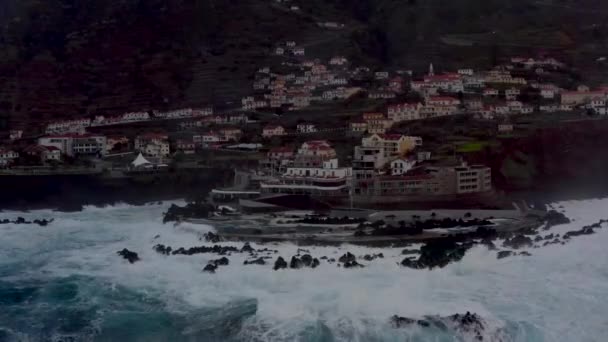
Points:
(404, 112)
(153, 144)
(136, 116)
(299, 51)
(465, 72)
(306, 128)
(330, 169)
(273, 131)
(381, 75)
(15, 134)
(7, 157)
(89, 144)
(317, 148)
(63, 143)
(401, 166)
(511, 94)
(338, 60)
(71, 126)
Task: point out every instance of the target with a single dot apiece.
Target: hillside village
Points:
(364, 150)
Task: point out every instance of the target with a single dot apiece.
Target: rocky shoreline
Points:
(433, 253)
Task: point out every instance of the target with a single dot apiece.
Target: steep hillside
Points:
(62, 58)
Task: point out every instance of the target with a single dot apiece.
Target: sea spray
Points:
(66, 281)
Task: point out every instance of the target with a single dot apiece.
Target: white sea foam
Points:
(557, 294)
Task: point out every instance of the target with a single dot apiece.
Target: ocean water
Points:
(64, 282)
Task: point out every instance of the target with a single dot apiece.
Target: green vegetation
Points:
(471, 147)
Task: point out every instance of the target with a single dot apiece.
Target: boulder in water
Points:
(352, 264)
(295, 263)
(518, 241)
(210, 268)
(503, 254)
(128, 255)
(280, 264)
(223, 261)
(258, 261)
(306, 260)
(211, 237)
(348, 257)
(247, 248)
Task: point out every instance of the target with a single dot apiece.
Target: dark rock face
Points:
(554, 218)
(258, 261)
(306, 260)
(469, 324)
(216, 249)
(128, 255)
(21, 220)
(348, 257)
(524, 253)
(223, 261)
(371, 257)
(437, 253)
(518, 241)
(503, 254)
(162, 249)
(582, 231)
(315, 263)
(280, 264)
(296, 263)
(247, 248)
(211, 237)
(410, 251)
(210, 268)
(199, 210)
(352, 264)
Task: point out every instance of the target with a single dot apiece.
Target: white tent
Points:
(140, 161)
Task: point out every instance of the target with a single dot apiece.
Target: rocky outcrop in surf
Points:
(195, 210)
(130, 256)
(21, 220)
(468, 326)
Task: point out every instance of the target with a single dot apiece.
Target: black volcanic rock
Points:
(554, 218)
(258, 261)
(210, 268)
(438, 253)
(211, 237)
(348, 257)
(128, 255)
(296, 263)
(503, 254)
(280, 263)
(223, 261)
(518, 241)
(247, 248)
(352, 264)
(582, 231)
(306, 260)
(198, 210)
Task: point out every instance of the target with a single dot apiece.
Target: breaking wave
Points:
(64, 282)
